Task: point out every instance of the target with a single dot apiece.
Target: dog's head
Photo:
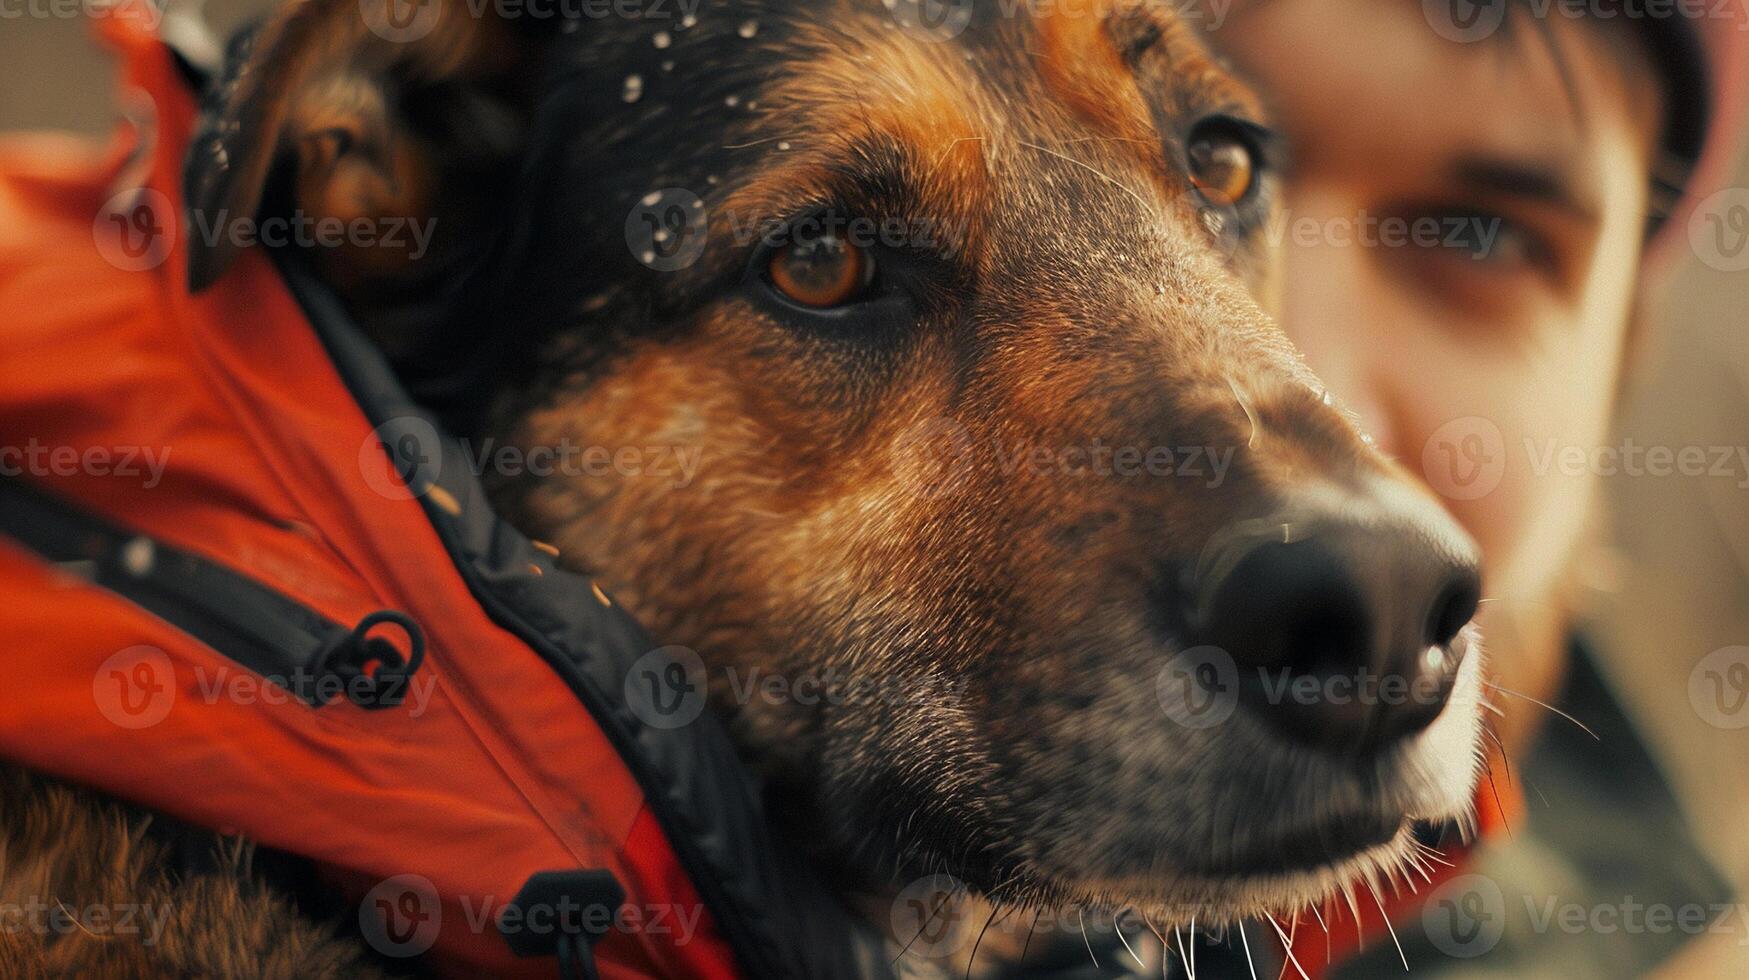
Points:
(914, 363)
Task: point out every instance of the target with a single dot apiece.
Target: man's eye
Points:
(1223, 161)
(1505, 243)
(1486, 237)
(819, 269)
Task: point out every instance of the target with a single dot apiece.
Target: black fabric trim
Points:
(777, 915)
(258, 627)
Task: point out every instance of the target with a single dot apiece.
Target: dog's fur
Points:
(89, 891)
(856, 510)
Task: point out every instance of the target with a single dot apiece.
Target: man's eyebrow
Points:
(1536, 183)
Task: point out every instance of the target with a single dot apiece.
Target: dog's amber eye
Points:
(821, 270)
(1222, 165)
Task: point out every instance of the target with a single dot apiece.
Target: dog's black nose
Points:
(1344, 629)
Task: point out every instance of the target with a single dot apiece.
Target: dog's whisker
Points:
(1499, 806)
(1544, 704)
(1430, 854)
(1246, 943)
(1107, 139)
(743, 146)
(1120, 185)
(1027, 944)
(1189, 967)
(1505, 760)
(1126, 943)
(922, 928)
(950, 146)
(1288, 947)
(1420, 864)
(1386, 919)
(1250, 415)
(972, 961)
(1165, 947)
(1354, 910)
(1082, 921)
(1193, 946)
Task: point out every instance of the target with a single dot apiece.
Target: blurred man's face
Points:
(1462, 235)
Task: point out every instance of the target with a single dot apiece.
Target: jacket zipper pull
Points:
(372, 672)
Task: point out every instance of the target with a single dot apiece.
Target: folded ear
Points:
(357, 109)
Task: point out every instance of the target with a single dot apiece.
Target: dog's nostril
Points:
(1291, 607)
(1455, 607)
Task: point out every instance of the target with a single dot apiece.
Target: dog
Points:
(958, 323)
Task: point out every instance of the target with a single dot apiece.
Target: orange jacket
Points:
(197, 515)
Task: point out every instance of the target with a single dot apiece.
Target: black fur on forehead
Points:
(629, 105)
(633, 106)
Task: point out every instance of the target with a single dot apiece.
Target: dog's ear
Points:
(365, 109)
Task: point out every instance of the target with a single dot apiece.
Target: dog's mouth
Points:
(1277, 877)
(1286, 827)
(1305, 848)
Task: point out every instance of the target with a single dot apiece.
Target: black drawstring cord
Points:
(576, 958)
(586, 902)
(386, 686)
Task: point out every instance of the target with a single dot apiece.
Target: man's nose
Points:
(1355, 356)
(1345, 626)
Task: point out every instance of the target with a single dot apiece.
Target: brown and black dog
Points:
(960, 317)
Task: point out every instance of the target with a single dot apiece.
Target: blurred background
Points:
(1669, 585)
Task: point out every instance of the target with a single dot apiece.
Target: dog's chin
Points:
(1212, 898)
(1358, 850)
